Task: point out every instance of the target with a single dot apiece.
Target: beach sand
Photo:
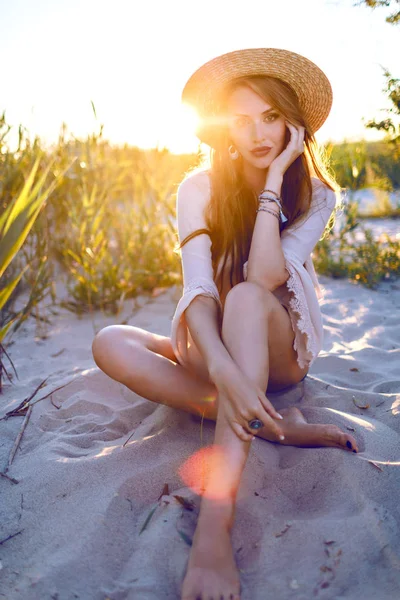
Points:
(94, 461)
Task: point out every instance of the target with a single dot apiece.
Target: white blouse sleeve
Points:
(192, 198)
(300, 240)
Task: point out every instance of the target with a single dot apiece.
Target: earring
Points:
(233, 153)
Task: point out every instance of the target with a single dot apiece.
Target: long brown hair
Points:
(231, 212)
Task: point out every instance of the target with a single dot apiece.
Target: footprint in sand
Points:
(387, 387)
(84, 424)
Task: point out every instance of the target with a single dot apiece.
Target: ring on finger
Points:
(255, 424)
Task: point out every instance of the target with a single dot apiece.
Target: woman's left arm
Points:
(269, 251)
(266, 263)
(296, 243)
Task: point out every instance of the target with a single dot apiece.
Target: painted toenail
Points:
(348, 444)
(355, 451)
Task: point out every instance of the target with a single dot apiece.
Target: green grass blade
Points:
(16, 235)
(4, 330)
(4, 216)
(8, 290)
(23, 214)
(22, 200)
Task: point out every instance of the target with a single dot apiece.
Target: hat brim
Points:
(309, 82)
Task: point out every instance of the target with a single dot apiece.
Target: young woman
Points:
(248, 321)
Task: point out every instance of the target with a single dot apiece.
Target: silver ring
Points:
(255, 424)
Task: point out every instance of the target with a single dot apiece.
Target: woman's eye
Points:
(271, 117)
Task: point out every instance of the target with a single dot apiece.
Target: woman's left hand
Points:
(292, 151)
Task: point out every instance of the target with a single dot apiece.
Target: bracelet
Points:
(267, 194)
(278, 200)
(265, 201)
(272, 192)
(268, 201)
(263, 208)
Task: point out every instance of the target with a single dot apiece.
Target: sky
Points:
(132, 59)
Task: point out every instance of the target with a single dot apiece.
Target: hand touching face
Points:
(292, 151)
(258, 132)
(256, 129)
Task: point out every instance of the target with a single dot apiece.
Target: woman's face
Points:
(254, 126)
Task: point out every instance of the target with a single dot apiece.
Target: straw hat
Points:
(310, 84)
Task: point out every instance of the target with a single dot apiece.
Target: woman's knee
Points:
(103, 342)
(116, 353)
(112, 341)
(115, 341)
(248, 292)
(114, 335)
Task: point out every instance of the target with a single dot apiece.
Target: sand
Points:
(94, 460)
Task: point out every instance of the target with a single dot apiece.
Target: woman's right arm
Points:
(203, 314)
(202, 306)
(202, 318)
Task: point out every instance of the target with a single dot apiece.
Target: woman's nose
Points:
(258, 132)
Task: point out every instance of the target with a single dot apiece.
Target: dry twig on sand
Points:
(25, 403)
(3, 367)
(10, 537)
(19, 438)
(8, 477)
(16, 412)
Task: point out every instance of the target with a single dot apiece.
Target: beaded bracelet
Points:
(268, 200)
(278, 201)
(265, 202)
(272, 192)
(263, 208)
(267, 195)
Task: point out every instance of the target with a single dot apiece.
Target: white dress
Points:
(300, 294)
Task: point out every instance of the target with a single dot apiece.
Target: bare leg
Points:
(133, 362)
(212, 572)
(132, 355)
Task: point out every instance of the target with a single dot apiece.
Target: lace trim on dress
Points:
(205, 287)
(298, 304)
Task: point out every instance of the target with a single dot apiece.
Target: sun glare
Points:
(173, 128)
(180, 136)
(190, 117)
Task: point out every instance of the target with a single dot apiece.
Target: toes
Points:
(343, 440)
(349, 442)
(228, 596)
(352, 445)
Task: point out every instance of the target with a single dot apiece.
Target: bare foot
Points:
(211, 571)
(298, 432)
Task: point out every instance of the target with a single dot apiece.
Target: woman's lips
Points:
(262, 151)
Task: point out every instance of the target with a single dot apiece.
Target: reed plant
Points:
(339, 254)
(16, 221)
(119, 207)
